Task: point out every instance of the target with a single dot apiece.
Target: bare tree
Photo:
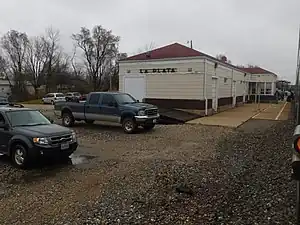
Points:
(147, 48)
(76, 67)
(15, 46)
(36, 61)
(99, 48)
(4, 71)
(53, 54)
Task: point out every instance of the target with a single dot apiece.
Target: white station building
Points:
(176, 76)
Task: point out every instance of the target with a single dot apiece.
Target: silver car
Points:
(52, 98)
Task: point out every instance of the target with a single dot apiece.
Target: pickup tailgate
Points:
(72, 106)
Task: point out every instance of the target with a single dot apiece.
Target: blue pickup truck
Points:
(113, 107)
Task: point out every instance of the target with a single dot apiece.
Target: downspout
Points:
(204, 88)
(232, 88)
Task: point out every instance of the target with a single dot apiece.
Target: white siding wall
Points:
(179, 85)
(175, 86)
(225, 76)
(240, 78)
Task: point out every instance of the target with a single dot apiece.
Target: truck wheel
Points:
(19, 156)
(67, 119)
(89, 121)
(149, 126)
(129, 125)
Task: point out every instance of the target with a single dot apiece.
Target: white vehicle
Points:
(52, 98)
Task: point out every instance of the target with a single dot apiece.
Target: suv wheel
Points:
(149, 126)
(129, 125)
(20, 156)
(52, 102)
(67, 119)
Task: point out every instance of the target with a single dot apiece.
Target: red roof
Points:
(170, 51)
(255, 70)
(175, 50)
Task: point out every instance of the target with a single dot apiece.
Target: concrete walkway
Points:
(239, 115)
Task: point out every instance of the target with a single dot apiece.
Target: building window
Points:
(190, 69)
(261, 88)
(268, 88)
(225, 80)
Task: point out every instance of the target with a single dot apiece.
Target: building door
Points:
(214, 94)
(135, 86)
(234, 93)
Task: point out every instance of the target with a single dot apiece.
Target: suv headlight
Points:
(41, 141)
(141, 113)
(74, 139)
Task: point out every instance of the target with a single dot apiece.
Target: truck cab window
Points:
(94, 99)
(108, 100)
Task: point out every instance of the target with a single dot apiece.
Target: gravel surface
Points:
(179, 174)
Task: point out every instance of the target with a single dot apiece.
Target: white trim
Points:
(180, 59)
(164, 61)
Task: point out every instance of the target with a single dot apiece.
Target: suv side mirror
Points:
(51, 120)
(4, 126)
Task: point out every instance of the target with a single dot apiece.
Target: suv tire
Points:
(129, 125)
(19, 156)
(67, 119)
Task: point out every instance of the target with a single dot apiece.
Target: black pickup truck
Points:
(113, 107)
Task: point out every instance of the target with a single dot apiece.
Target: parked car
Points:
(26, 135)
(113, 107)
(3, 101)
(52, 98)
(82, 97)
(72, 96)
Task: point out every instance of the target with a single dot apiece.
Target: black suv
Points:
(26, 135)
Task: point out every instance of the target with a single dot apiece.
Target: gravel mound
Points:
(173, 175)
(247, 183)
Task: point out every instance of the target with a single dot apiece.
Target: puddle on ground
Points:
(81, 159)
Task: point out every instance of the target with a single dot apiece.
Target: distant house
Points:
(283, 85)
(5, 88)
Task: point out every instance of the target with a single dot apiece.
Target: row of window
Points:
(261, 88)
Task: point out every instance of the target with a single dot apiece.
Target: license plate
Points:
(155, 121)
(64, 146)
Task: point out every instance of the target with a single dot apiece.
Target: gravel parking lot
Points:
(179, 174)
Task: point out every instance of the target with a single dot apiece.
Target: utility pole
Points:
(297, 82)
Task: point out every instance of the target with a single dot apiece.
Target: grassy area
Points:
(35, 101)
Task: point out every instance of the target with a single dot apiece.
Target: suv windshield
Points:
(26, 118)
(3, 101)
(124, 99)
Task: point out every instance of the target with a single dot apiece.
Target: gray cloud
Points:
(258, 32)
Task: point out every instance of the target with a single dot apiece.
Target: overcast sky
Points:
(261, 32)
